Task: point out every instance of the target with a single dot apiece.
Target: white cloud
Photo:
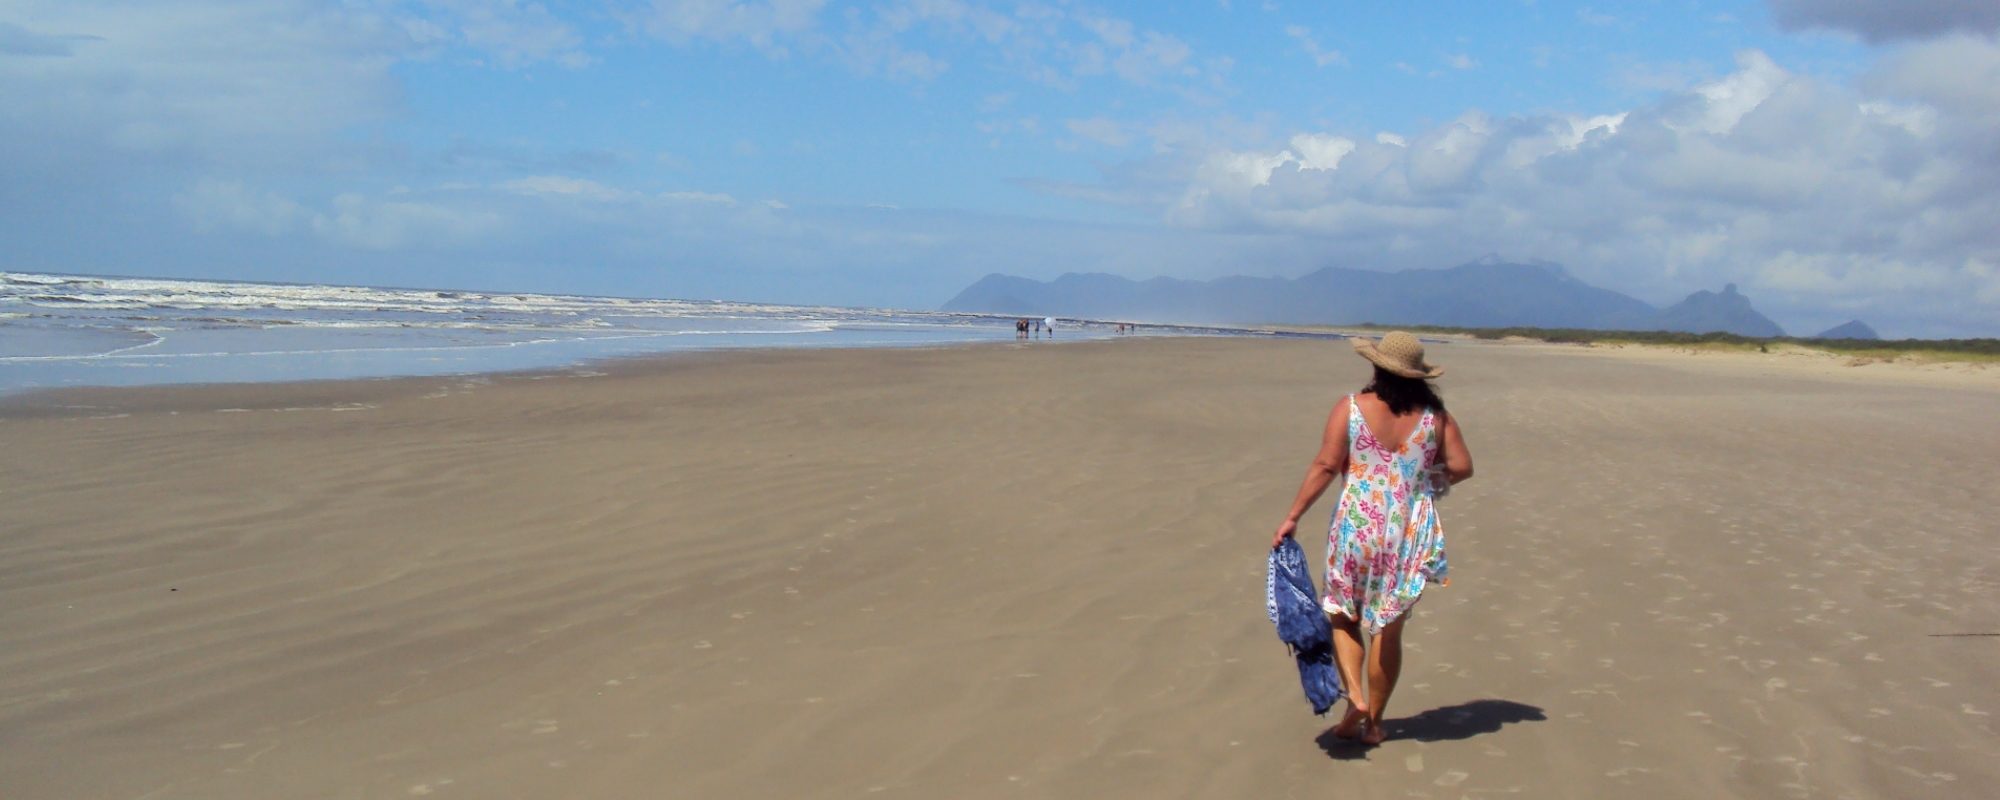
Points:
(1813, 195)
(1582, 128)
(1237, 174)
(1728, 99)
(1321, 56)
(1115, 32)
(1460, 61)
(564, 185)
(1156, 57)
(1320, 151)
(709, 198)
(1956, 73)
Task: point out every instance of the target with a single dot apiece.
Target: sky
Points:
(1834, 159)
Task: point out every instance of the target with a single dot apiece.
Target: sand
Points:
(1016, 570)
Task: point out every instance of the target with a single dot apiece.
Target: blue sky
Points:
(1832, 158)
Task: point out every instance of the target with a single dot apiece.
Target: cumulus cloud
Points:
(1888, 20)
(1959, 74)
(1815, 195)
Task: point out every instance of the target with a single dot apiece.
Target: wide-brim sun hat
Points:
(1399, 353)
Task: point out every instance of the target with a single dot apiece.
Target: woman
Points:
(1385, 543)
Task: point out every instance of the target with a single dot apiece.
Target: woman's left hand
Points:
(1285, 529)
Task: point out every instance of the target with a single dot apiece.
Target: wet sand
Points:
(996, 571)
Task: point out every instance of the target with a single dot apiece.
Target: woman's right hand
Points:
(1287, 528)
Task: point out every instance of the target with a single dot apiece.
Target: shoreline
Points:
(332, 392)
(46, 401)
(42, 399)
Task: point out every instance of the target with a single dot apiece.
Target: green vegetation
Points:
(1978, 350)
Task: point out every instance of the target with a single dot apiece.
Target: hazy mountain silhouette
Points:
(1851, 329)
(1706, 311)
(1488, 293)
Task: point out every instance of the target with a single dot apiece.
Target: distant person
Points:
(1021, 327)
(1049, 324)
(1385, 543)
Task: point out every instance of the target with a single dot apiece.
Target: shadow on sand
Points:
(1448, 723)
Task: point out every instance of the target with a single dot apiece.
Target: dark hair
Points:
(1403, 395)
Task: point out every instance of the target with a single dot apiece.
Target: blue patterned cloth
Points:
(1293, 606)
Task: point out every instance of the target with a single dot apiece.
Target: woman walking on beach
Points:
(1385, 544)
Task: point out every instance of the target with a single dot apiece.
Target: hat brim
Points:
(1367, 350)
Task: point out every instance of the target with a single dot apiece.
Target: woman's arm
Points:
(1457, 459)
(1330, 462)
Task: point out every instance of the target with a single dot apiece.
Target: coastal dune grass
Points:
(1983, 350)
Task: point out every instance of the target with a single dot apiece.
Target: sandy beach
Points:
(1005, 571)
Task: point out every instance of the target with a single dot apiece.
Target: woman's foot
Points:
(1350, 725)
(1373, 734)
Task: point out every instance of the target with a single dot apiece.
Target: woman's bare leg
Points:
(1385, 663)
(1347, 658)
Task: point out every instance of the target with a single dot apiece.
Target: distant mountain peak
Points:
(1718, 312)
(1851, 329)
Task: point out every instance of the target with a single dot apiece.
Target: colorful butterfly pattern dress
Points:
(1385, 543)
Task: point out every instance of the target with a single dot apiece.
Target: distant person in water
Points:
(1021, 328)
(1385, 543)
(1049, 324)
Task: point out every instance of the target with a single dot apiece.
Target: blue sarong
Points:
(1293, 606)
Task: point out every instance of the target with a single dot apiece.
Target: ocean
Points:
(75, 330)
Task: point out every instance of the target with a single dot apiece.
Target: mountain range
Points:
(1488, 293)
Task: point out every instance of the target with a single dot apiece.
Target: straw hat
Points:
(1400, 353)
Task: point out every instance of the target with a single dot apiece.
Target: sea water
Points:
(71, 330)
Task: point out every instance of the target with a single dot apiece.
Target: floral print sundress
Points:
(1385, 543)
